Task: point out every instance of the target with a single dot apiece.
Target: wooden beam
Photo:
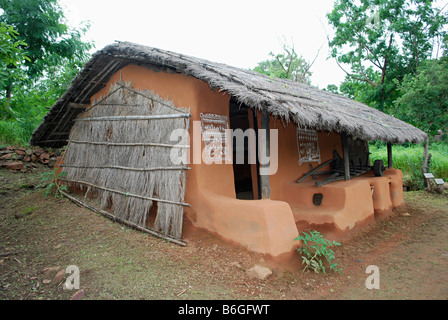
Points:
(53, 141)
(73, 105)
(127, 194)
(125, 222)
(346, 157)
(135, 144)
(135, 118)
(60, 133)
(129, 168)
(257, 147)
(265, 151)
(314, 171)
(390, 162)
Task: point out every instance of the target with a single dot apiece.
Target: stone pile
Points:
(15, 158)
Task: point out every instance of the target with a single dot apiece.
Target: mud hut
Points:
(132, 107)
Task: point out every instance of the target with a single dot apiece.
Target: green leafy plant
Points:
(316, 252)
(51, 185)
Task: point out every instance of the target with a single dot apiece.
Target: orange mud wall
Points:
(263, 226)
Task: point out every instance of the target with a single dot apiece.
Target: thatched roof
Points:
(291, 101)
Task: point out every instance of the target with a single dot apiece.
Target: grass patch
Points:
(30, 210)
(13, 133)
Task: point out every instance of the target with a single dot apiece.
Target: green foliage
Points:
(51, 185)
(332, 88)
(286, 65)
(408, 158)
(316, 252)
(382, 41)
(424, 100)
(49, 40)
(54, 55)
(12, 56)
(29, 106)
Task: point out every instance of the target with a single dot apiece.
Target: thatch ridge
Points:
(306, 106)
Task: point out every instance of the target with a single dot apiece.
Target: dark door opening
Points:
(243, 172)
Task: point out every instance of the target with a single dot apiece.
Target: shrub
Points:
(51, 184)
(316, 252)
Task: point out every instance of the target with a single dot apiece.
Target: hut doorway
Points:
(245, 172)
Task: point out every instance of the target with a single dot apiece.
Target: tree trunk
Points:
(425, 167)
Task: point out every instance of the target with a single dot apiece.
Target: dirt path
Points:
(41, 236)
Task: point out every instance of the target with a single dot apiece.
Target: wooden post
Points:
(346, 157)
(257, 148)
(390, 162)
(265, 151)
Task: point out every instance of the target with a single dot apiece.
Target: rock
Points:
(44, 156)
(46, 281)
(51, 270)
(33, 158)
(21, 152)
(78, 295)
(259, 272)
(7, 156)
(59, 276)
(405, 214)
(15, 165)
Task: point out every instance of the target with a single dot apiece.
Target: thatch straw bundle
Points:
(121, 163)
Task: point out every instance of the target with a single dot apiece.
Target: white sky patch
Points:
(235, 32)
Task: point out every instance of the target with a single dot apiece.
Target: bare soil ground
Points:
(41, 236)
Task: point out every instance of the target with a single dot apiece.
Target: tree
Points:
(381, 41)
(332, 88)
(41, 25)
(44, 35)
(424, 100)
(286, 65)
(55, 54)
(11, 57)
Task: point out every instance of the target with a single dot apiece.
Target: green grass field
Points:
(408, 158)
(13, 133)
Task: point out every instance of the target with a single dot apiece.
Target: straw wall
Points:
(119, 153)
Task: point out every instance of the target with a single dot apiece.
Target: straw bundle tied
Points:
(121, 162)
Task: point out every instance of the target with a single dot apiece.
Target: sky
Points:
(239, 33)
